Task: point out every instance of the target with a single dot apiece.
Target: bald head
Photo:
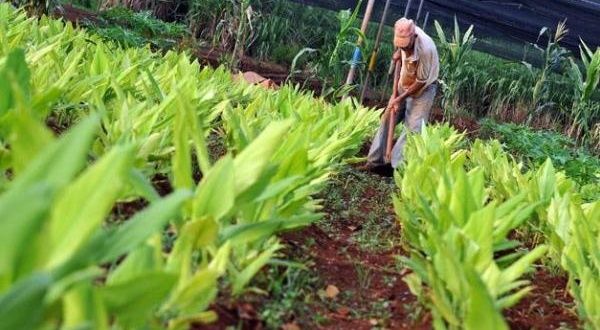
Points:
(404, 32)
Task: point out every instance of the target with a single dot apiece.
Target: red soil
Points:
(548, 306)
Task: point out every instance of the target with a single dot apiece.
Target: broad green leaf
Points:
(134, 301)
(145, 223)
(442, 304)
(194, 234)
(81, 207)
(415, 285)
(22, 306)
(244, 277)
(184, 322)
(547, 181)
(479, 231)
(481, 312)
(277, 188)
(66, 281)
(215, 195)
(142, 186)
(14, 81)
(197, 134)
(23, 212)
(144, 259)
(251, 232)
(249, 197)
(520, 267)
(196, 294)
(59, 162)
(251, 162)
(27, 139)
(461, 203)
(440, 32)
(221, 259)
(100, 63)
(83, 307)
(182, 157)
(513, 299)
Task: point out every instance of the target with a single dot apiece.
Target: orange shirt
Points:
(408, 74)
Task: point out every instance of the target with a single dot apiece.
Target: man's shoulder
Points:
(426, 43)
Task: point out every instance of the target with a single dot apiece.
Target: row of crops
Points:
(131, 115)
(475, 223)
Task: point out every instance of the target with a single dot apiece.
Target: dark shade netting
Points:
(519, 21)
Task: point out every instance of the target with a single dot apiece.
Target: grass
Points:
(361, 202)
(290, 291)
(375, 234)
(415, 310)
(364, 274)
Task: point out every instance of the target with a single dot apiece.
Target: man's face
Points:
(404, 43)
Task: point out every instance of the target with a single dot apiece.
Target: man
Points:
(415, 84)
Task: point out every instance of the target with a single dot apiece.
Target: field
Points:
(144, 189)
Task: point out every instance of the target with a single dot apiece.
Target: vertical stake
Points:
(419, 12)
(373, 60)
(426, 20)
(356, 56)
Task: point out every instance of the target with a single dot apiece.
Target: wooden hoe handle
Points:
(391, 115)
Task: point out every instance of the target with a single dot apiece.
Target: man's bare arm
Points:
(414, 88)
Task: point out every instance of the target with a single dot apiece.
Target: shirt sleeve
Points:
(425, 70)
(429, 64)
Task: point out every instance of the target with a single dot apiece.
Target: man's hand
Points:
(398, 100)
(394, 104)
(391, 112)
(388, 155)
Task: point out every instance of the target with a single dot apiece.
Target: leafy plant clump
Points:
(136, 29)
(534, 147)
(458, 207)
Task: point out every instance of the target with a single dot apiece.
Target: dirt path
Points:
(355, 248)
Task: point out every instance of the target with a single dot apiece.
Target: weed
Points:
(289, 289)
(321, 319)
(414, 310)
(310, 242)
(377, 233)
(364, 274)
